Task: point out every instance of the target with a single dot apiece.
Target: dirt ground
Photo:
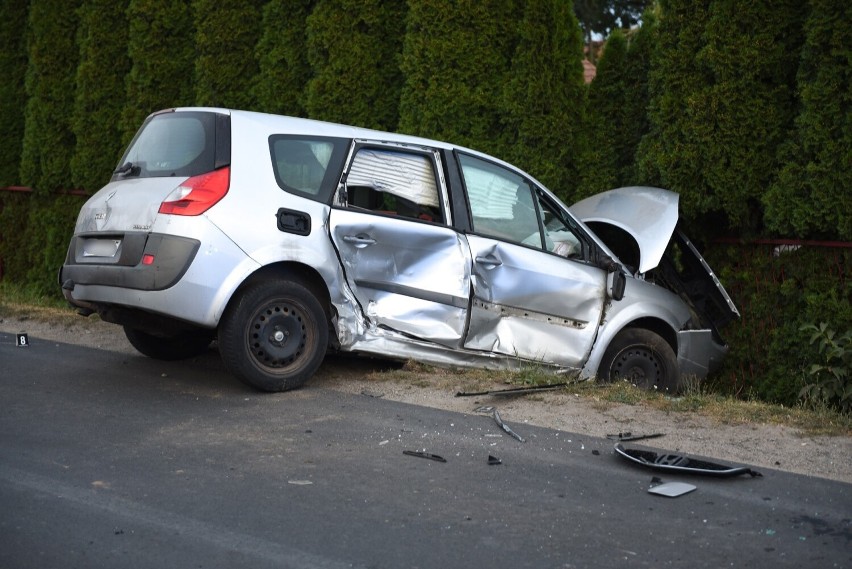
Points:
(756, 445)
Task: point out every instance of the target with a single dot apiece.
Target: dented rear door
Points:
(408, 269)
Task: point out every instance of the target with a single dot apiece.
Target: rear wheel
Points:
(180, 346)
(274, 336)
(643, 358)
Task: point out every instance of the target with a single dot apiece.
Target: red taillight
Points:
(198, 194)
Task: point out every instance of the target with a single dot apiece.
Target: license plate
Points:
(100, 247)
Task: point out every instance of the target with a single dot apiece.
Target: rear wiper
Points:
(128, 169)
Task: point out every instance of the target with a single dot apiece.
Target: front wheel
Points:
(643, 358)
(274, 335)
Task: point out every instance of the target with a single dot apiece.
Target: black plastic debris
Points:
(631, 437)
(421, 454)
(681, 464)
(517, 390)
(505, 427)
(493, 460)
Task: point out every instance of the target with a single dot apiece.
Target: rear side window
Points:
(308, 166)
(394, 183)
(176, 144)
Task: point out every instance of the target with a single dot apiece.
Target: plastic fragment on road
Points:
(671, 489)
(421, 454)
(493, 460)
(681, 464)
(505, 427)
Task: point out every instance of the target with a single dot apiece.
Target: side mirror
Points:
(619, 283)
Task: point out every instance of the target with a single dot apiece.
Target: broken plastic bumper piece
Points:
(681, 464)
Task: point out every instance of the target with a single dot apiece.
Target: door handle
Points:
(359, 240)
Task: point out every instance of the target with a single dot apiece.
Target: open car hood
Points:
(648, 214)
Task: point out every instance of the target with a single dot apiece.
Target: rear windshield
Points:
(171, 144)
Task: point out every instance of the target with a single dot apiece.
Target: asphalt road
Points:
(108, 460)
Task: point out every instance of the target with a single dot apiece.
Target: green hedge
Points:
(778, 289)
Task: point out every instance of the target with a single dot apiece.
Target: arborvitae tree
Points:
(226, 34)
(53, 55)
(636, 98)
(161, 46)
(99, 102)
(543, 96)
(604, 120)
(752, 50)
(13, 97)
(282, 56)
(812, 195)
(353, 49)
(673, 153)
(617, 110)
(455, 60)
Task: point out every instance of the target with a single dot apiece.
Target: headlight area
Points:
(698, 353)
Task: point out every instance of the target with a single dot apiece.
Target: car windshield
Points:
(171, 144)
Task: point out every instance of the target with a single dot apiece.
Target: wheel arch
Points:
(659, 327)
(305, 275)
(653, 324)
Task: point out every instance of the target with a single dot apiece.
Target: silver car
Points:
(284, 238)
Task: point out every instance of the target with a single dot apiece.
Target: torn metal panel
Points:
(391, 344)
(533, 305)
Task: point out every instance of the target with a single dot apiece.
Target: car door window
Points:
(501, 203)
(560, 232)
(308, 167)
(396, 183)
(505, 206)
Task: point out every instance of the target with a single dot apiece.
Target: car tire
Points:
(170, 348)
(274, 335)
(643, 358)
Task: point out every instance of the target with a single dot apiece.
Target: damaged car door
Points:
(537, 295)
(407, 267)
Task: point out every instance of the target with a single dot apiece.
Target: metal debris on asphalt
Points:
(505, 427)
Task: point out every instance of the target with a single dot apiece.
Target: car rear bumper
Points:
(137, 261)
